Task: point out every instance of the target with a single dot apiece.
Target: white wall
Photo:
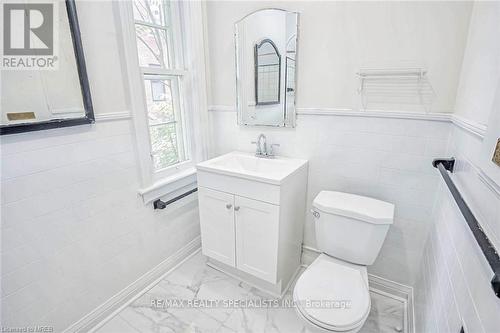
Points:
(386, 158)
(481, 65)
(337, 38)
(74, 231)
(454, 282)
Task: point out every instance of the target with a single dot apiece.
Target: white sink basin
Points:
(246, 165)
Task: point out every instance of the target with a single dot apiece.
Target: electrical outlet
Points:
(496, 154)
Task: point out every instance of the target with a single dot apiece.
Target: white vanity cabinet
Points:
(240, 232)
(251, 217)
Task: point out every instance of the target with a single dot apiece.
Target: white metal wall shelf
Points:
(401, 86)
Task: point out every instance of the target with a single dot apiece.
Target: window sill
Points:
(170, 187)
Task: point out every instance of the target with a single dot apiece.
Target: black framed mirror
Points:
(267, 73)
(52, 97)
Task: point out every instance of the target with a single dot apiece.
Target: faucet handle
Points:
(257, 150)
(271, 153)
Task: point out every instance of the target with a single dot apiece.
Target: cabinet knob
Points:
(228, 206)
(237, 208)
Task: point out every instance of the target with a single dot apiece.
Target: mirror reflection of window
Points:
(267, 73)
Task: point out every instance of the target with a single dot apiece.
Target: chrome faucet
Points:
(261, 145)
(261, 150)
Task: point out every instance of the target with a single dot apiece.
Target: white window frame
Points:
(180, 177)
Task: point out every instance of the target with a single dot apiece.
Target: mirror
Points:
(54, 91)
(267, 73)
(266, 47)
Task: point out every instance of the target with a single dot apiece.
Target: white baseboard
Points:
(379, 285)
(396, 291)
(103, 313)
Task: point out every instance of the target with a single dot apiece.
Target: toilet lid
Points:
(332, 294)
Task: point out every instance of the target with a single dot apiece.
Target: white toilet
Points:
(332, 294)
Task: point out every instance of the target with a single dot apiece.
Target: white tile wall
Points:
(74, 231)
(386, 158)
(453, 288)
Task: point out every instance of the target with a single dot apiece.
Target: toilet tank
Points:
(351, 227)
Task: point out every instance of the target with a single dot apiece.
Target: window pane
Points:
(165, 121)
(151, 11)
(159, 101)
(152, 46)
(165, 145)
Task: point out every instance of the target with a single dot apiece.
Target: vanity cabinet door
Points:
(257, 227)
(217, 225)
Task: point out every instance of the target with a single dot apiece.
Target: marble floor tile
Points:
(194, 281)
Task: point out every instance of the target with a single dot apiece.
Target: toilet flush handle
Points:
(315, 213)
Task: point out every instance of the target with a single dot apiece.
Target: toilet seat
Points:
(333, 294)
(316, 327)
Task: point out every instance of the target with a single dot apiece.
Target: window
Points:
(160, 58)
(164, 57)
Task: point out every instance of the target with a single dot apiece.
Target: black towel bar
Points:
(489, 251)
(158, 204)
